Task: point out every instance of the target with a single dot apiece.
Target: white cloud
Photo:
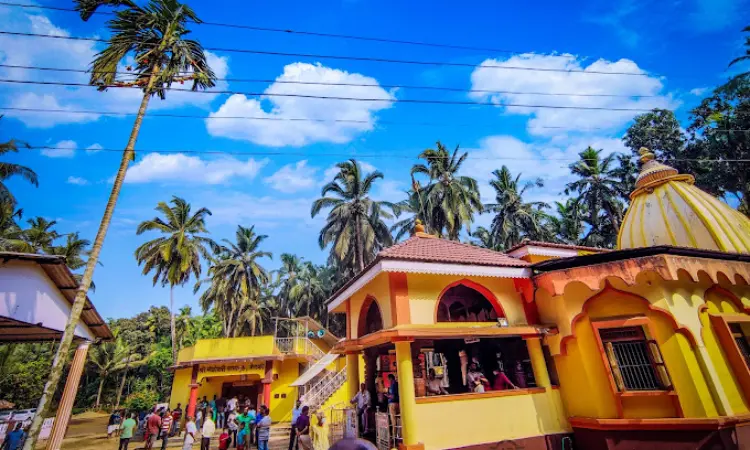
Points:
(293, 177)
(549, 121)
(548, 160)
(17, 50)
(178, 167)
(77, 181)
(232, 207)
(93, 148)
(63, 149)
(699, 91)
(276, 130)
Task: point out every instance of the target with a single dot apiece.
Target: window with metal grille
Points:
(741, 340)
(634, 360)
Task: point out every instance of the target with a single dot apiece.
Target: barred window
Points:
(635, 361)
(741, 340)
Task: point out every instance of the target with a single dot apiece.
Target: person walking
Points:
(393, 400)
(221, 412)
(153, 427)
(126, 431)
(264, 428)
(14, 439)
(207, 432)
(176, 417)
(113, 423)
(190, 431)
(231, 420)
(296, 411)
(303, 429)
(363, 400)
(166, 428)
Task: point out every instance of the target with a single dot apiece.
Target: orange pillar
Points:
(68, 397)
(267, 394)
(193, 402)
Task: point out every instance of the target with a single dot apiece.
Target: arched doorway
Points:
(371, 320)
(462, 303)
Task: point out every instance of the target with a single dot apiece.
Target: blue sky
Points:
(681, 46)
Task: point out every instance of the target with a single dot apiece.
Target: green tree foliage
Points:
(23, 370)
(10, 170)
(354, 227)
(450, 199)
(175, 256)
(142, 400)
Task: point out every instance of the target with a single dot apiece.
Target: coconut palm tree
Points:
(183, 325)
(598, 188)
(236, 278)
(75, 250)
(482, 237)
(450, 199)
(9, 170)
(414, 205)
(309, 290)
(743, 58)
(515, 219)
(41, 234)
(109, 358)
(11, 235)
(354, 227)
(154, 36)
(176, 255)
(568, 224)
(287, 275)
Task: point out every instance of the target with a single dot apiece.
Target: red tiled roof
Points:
(556, 245)
(431, 249)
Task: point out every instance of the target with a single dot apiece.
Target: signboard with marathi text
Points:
(228, 369)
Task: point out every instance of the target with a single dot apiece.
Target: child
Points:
(242, 439)
(224, 440)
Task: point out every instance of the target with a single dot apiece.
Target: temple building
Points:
(550, 346)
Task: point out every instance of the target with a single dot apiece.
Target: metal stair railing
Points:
(324, 389)
(298, 346)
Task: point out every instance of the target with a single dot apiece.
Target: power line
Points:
(307, 33)
(307, 119)
(322, 83)
(356, 58)
(350, 155)
(340, 98)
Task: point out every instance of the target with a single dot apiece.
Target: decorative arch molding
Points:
(608, 289)
(486, 293)
(667, 266)
(370, 302)
(731, 296)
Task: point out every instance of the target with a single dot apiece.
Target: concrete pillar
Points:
(714, 384)
(538, 364)
(352, 373)
(68, 398)
(267, 394)
(193, 402)
(407, 400)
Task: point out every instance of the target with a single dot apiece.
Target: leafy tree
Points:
(659, 131)
(744, 58)
(414, 205)
(598, 189)
(718, 133)
(11, 234)
(354, 227)
(236, 278)
(515, 219)
(153, 35)
(482, 237)
(291, 266)
(309, 290)
(142, 400)
(10, 170)
(626, 172)
(175, 256)
(109, 358)
(451, 199)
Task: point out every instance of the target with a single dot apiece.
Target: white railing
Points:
(324, 389)
(298, 346)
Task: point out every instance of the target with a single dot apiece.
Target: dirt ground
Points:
(88, 431)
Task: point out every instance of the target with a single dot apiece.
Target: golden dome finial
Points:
(646, 155)
(418, 226)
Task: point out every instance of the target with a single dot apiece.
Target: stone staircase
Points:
(317, 394)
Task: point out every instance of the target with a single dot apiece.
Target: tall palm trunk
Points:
(99, 393)
(172, 330)
(61, 357)
(358, 243)
(122, 383)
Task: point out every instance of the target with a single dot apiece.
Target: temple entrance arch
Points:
(370, 318)
(466, 301)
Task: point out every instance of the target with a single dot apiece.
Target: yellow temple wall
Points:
(281, 407)
(379, 289)
(466, 422)
(685, 337)
(227, 348)
(180, 388)
(424, 293)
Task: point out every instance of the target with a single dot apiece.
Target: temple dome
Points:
(666, 208)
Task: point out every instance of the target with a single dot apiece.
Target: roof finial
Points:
(646, 155)
(418, 226)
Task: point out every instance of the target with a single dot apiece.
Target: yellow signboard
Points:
(228, 369)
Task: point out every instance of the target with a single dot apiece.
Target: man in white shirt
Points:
(232, 404)
(190, 431)
(209, 428)
(363, 402)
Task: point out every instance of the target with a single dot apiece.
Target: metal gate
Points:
(344, 424)
(387, 434)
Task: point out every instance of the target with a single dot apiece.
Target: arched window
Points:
(461, 303)
(371, 320)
